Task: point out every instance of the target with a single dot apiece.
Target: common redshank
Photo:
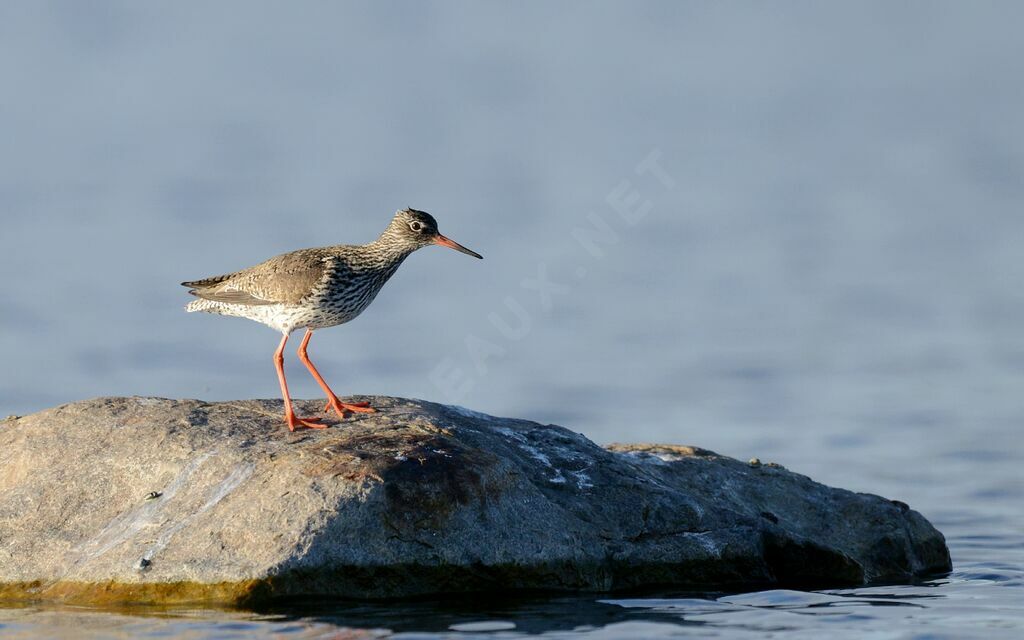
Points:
(317, 288)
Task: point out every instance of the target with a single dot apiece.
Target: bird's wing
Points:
(285, 279)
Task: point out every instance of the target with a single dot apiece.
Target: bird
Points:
(318, 288)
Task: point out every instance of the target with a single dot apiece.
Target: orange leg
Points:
(289, 414)
(332, 400)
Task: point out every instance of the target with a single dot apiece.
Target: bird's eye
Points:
(415, 226)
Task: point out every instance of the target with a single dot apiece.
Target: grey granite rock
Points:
(161, 501)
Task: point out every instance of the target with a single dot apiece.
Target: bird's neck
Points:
(392, 243)
(388, 249)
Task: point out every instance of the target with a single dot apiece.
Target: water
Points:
(827, 274)
(947, 608)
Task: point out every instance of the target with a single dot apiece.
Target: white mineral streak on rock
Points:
(238, 475)
(534, 453)
(582, 479)
(707, 541)
(130, 523)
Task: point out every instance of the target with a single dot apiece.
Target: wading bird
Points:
(317, 288)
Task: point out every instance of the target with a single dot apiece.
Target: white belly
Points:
(281, 317)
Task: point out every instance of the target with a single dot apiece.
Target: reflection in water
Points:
(846, 613)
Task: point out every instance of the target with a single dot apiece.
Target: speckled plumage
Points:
(317, 288)
(313, 288)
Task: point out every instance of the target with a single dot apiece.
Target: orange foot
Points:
(295, 422)
(341, 407)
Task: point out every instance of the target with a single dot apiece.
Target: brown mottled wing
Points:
(285, 279)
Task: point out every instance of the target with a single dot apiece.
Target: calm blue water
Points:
(791, 232)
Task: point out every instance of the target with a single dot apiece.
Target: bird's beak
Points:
(447, 242)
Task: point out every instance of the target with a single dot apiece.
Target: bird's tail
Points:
(200, 305)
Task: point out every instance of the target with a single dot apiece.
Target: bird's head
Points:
(416, 229)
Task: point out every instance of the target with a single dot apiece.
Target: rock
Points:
(172, 501)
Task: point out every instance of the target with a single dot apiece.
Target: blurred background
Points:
(791, 231)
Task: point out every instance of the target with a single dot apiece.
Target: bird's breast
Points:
(345, 295)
